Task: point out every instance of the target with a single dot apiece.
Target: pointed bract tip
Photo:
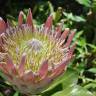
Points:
(48, 23)
(1, 19)
(29, 9)
(44, 64)
(21, 12)
(2, 25)
(74, 30)
(20, 18)
(21, 68)
(43, 69)
(29, 12)
(2, 34)
(64, 35)
(51, 15)
(29, 18)
(67, 29)
(73, 47)
(72, 33)
(9, 62)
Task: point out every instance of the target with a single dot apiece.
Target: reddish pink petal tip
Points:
(10, 63)
(2, 25)
(69, 40)
(73, 48)
(58, 32)
(21, 68)
(65, 33)
(48, 23)
(61, 68)
(29, 76)
(29, 18)
(43, 69)
(10, 66)
(3, 68)
(20, 18)
(67, 29)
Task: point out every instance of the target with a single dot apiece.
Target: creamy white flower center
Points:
(35, 45)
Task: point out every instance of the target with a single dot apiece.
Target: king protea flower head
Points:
(32, 57)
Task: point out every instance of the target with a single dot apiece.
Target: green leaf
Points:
(82, 42)
(86, 3)
(90, 85)
(68, 79)
(72, 17)
(16, 94)
(67, 86)
(79, 19)
(92, 46)
(93, 70)
(77, 35)
(1, 94)
(73, 91)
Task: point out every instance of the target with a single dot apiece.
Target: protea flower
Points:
(31, 57)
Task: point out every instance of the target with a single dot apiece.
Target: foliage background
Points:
(75, 14)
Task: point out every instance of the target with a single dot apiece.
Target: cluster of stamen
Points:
(37, 46)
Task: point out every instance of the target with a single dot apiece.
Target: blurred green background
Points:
(75, 14)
